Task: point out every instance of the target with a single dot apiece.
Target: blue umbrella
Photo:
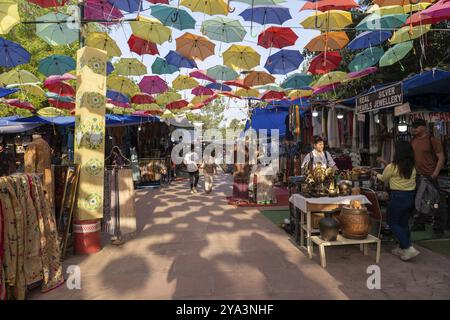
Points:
(219, 86)
(6, 92)
(56, 64)
(117, 96)
(267, 15)
(284, 61)
(180, 61)
(127, 5)
(109, 68)
(160, 66)
(369, 39)
(12, 54)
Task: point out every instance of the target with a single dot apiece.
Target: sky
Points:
(236, 109)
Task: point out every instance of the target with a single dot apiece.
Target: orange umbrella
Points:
(195, 47)
(328, 42)
(258, 78)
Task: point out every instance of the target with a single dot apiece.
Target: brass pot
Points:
(355, 223)
(345, 187)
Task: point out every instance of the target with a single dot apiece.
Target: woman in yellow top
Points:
(401, 176)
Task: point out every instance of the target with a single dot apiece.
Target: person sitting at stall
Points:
(401, 176)
(318, 156)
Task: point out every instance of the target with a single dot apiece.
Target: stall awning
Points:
(9, 126)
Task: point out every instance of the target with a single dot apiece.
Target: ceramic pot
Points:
(355, 223)
(329, 227)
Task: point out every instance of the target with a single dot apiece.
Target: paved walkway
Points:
(198, 247)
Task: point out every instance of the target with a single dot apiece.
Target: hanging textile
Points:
(324, 115)
(372, 134)
(317, 125)
(355, 132)
(332, 128)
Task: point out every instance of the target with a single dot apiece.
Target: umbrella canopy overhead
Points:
(366, 59)
(57, 31)
(333, 19)
(325, 5)
(161, 66)
(141, 46)
(277, 37)
(20, 104)
(369, 39)
(202, 91)
(184, 83)
(49, 3)
(376, 22)
(267, 15)
(331, 78)
(329, 41)
(56, 64)
(384, 3)
(269, 87)
(273, 95)
(407, 33)
(167, 97)
(176, 59)
(237, 83)
(18, 77)
(300, 93)
(211, 7)
(117, 96)
(224, 30)
(142, 98)
(4, 92)
(219, 87)
(151, 30)
(247, 93)
(284, 61)
(241, 57)
(178, 104)
(195, 47)
(258, 78)
(61, 88)
(200, 74)
(361, 74)
(297, 81)
(122, 84)
(396, 53)
(173, 17)
(101, 10)
(29, 88)
(130, 67)
(9, 15)
(127, 5)
(325, 62)
(12, 54)
(261, 2)
(222, 73)
(432, 15)
(102, 41)
(153, 84)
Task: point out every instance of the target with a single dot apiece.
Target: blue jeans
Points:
(400, 209)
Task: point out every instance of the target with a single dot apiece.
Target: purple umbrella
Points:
(200, 74)
(175, 59)
(362, 73)
(326, 88)
(153, 85)
(101, 10)
(219, 86)
(119, 104)
(202, 91)
(58, 78)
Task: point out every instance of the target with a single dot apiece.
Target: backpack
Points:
(311, 160)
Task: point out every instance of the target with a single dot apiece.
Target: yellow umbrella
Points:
(385, 3)
(18, 77)
(122, 84)
(247, 92)
(9, 15)
(147, 107)
(296, 94)
(416, 7)
(211, 7)
(328, 42)
(199, 99)
(151, 30)
(167, 97)
(51, 112)
(332, 19)
(130, 67)
(184, 82)
(258, 78)
(241, 57)
(331, 78)
(195, 47)
(167, 115)
(29, 88)
(102, 41)
(407, 33)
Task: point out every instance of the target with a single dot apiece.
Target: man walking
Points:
(429, 157)
(191, 161)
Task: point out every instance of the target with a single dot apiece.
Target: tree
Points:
(211, 116)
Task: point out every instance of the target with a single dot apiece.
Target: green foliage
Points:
(211, 115)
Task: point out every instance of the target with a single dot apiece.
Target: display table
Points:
(305, 206)
(341, 241)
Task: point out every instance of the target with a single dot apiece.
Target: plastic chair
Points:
(374, 207)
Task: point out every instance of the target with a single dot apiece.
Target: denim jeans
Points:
(193, 179)
(400, 209)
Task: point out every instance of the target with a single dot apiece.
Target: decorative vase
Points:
(329, 227)
(355, 223)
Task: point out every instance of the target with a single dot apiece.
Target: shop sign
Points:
(430, 116)
(403, 109)
(386, 97)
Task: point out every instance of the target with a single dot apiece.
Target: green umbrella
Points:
(160, 66)
(222, 73)
(18, 77)
(56, 64)
(130, 67)
(173, 17)
(366, 59)
(58, 32)
(396, 53)
(224, 30)
(377, 22)
(297, 81)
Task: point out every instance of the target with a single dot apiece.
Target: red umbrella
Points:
(210, 99)
(62, 104)
(119, 104)
(200, 74)
(147, 113)
(20, 104)
(202, 91)
(179, 104)
(432, 15)
(59, 78)
(277, 37)
(325, 5)
(141, 46)
(273, 95)
(49, 3)
(153, 84)
(325, 62)
(62, 88)
(142, 98)
(237, 83)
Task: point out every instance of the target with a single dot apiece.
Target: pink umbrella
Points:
(20, 104)
(62, 104)
(61, 88)
(59, 78)
(202, 91)
(101, 10)
(119, 104)
(200, 74)
(237, 83)
(142, 98)
(326, 88)
(153, 84)
(432, 15)
(362, 73)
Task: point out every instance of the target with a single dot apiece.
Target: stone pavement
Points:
(198, 247)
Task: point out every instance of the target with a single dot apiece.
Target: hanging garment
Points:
(2, 270)
(324, 114)
(354, 132)
(317, 125)
(333, 134)
(372, 135)
(135, 165)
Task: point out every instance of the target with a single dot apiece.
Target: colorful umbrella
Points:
(277, 37)
(58, 31)
(407, 33)
(151, 108)
(55, 96)
(329, 41)
(266, 15)
(109, 68)
(331, 78)
(151, 30)
(375, 22)
(333, 19)
(269, 87)
(101, 10)
(297, 81)
(382, 11)
(258, 78)
(241, 57)
(9, 15)
(219, 86)
(273, 95)
(62, 104)
(167, 115)
(122, 84)
(117, 96)
(58, 78)
(20, 104)
(396, 53)
(222, 73)
(237, 83)
(366, 59)
(29, 88)
(383, 3)
(325, 5)
(119, 104)
(247, 92)
(369, 39)
(325, 62)
(127, 5)
(434, 14)
(199, 99)
(200, 74)
(130, 67)
(56, 64)
(202, 91)
(153, 84)
(6, 92)
(229, 95)
(51, 112)
(173, 17)
(18, 76)
(176, 59)
(49, 3)
(62, 88)
(102, 41)
(211, 7)
(261, 2)
(224, 30)
(142, 98)
(324, 89)
(167, 97)
(160, 66)
(184, 82)
(362, 73)
(284, 61)
(195, 47)
(300, 93)
(12, 54)
(179, 104)
(141, 46)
